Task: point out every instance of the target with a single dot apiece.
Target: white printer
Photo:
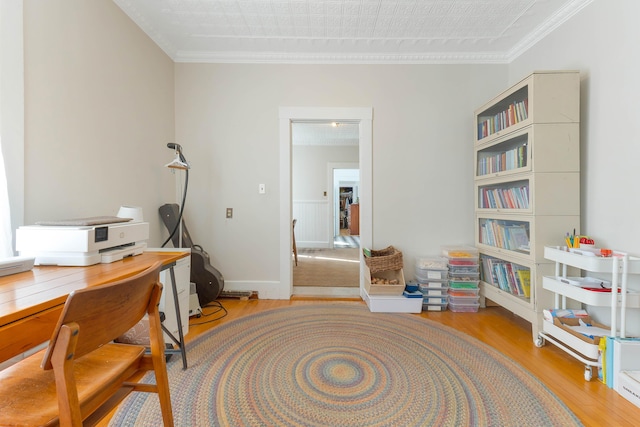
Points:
(82, 242)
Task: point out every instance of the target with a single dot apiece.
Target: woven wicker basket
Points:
(384, 260)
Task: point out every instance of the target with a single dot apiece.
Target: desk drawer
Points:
(22, 335)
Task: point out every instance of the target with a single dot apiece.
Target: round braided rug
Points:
(340, 365)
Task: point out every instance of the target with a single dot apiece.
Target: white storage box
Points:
(431, 263)
(629, 386)
(392, 303)
(431, 268)
(436, 287)
(435, 300)
(626, 357)
(424, 276)
(434, 307)
(434, 292)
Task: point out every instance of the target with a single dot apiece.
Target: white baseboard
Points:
(325, 291)
(265, 289)
(273, 290)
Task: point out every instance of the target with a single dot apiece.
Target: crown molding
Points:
(559, 18)
(340, 58)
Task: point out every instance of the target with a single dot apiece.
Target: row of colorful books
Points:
(514, 113)
(508, 276)
(510, 235)
(502, 161)
(505, 198)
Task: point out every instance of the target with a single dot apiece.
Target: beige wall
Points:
(309, 175)
(227, 119)
(99, 111)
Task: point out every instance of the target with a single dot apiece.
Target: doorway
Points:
(323, 195)
(288, 116)
(346, 210)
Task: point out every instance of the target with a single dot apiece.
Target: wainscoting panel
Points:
(312, 228)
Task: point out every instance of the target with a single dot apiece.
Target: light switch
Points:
(262, 189)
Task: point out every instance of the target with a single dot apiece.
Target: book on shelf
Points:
(516, 236)
(507, 276)
(495, 162)
(504, 198)
(524, 275)
(515, 113)
(510, 235)
(513, 271)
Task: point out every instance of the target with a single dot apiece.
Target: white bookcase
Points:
(527, 187)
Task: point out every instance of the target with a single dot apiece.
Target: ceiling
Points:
(325, 133)
(348, 31)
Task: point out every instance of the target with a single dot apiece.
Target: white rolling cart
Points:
(619, 266)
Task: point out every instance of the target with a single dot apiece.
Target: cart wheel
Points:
(587, 373)
(539, 342)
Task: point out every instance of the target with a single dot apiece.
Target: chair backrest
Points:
(105, 312)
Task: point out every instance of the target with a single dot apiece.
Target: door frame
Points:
(364, 117)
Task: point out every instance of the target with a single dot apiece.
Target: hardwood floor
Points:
(592, 402)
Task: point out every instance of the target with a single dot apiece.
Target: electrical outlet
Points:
(229, 212)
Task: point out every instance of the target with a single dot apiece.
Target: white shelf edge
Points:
(596, 264)
(509, 301)
(587, 297)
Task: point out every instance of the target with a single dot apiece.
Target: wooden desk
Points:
(31, 302)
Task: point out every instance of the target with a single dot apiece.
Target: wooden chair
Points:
(295, 248)
(83, 373)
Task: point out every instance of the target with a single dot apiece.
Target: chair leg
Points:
(68, 403)
(160, 369)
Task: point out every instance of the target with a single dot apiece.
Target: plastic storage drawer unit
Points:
(464, 292)
(464, 308)
(434, 288)
(434, 307)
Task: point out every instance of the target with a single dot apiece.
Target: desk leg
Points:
(180, 342)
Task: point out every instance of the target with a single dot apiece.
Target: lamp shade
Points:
(133, 212)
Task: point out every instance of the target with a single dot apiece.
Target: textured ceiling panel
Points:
(348, 31)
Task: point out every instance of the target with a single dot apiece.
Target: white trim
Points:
(438, 58)
(12, 108)
(321, 291)
(364, 116)
(266, 289)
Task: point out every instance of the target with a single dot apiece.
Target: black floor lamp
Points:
(180, 163)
